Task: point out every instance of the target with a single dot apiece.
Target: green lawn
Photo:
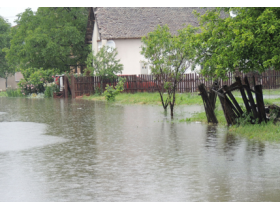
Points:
(150, 98)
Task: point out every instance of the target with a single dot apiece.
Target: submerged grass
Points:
(150, 98)
(263, 132)
(267, 132)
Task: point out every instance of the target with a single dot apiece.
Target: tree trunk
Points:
(171, 110)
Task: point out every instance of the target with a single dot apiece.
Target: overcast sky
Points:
(10, 13)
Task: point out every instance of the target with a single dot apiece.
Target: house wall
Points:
(2, 84)
(129, 54)
(12, 81)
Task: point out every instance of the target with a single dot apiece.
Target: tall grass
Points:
(14, 92)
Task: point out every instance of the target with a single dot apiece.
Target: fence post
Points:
(65, 87)
(73, 86)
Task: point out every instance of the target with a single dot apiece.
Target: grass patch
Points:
(271, 92)
(14, 92)
(263, 132)
(3, 94)
(201, 116)
(150, 98)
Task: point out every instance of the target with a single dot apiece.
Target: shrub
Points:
(104, 64)
(48, 92)
(35, 80)
(14, 92)
(111, 92)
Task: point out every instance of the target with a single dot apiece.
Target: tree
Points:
(5, 68)
(250, 41)
(104, 64)
(50, 38)
(169, 56)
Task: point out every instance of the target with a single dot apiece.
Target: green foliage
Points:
(5, 37)
(104, 63)
(35, 80)
(3, 94)
(98, 91)
(247, 42)
(14, 92)
(50, 38)
(169, 56)
(50, 90)
(111, 92)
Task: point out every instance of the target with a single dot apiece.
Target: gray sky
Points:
(10, 13)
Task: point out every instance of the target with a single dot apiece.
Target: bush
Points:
(14, 92)
(35, 80)
(111, 92)
(48, 92)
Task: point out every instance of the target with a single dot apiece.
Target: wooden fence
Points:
(148, 83)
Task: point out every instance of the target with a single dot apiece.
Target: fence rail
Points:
(189, 82)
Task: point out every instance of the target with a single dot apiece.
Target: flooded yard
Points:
(78, 150)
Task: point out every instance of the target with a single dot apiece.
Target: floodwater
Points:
(76, 150)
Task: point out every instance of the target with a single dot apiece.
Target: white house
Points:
(122, 28)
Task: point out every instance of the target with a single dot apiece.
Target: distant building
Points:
(122, 28)
(12, 81)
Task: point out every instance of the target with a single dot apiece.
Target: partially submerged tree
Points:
(169, 56)
(5, 37)
(50, 38)
(104, 64)
(250, 41)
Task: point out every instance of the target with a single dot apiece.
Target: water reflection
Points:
(108, 152)
(211, 136)
(256, 147)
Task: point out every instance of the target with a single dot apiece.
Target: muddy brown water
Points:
(76, 150)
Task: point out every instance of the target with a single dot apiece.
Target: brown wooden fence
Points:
(189, 83)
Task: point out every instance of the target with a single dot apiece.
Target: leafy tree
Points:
(104, 64)
(250, 41)
(5, 36)
(169, 57)
(50, 38)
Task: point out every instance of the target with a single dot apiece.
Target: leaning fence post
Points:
(251, 99)
(65, 87)
(209, 109)
(73, 86)
(260, 103)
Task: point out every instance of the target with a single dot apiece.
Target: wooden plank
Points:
(260, 103)
(251, 99)
(73, 90)
(209, 110)
(238, 108)
(244, 97)
(228, 113)
(65, 86)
